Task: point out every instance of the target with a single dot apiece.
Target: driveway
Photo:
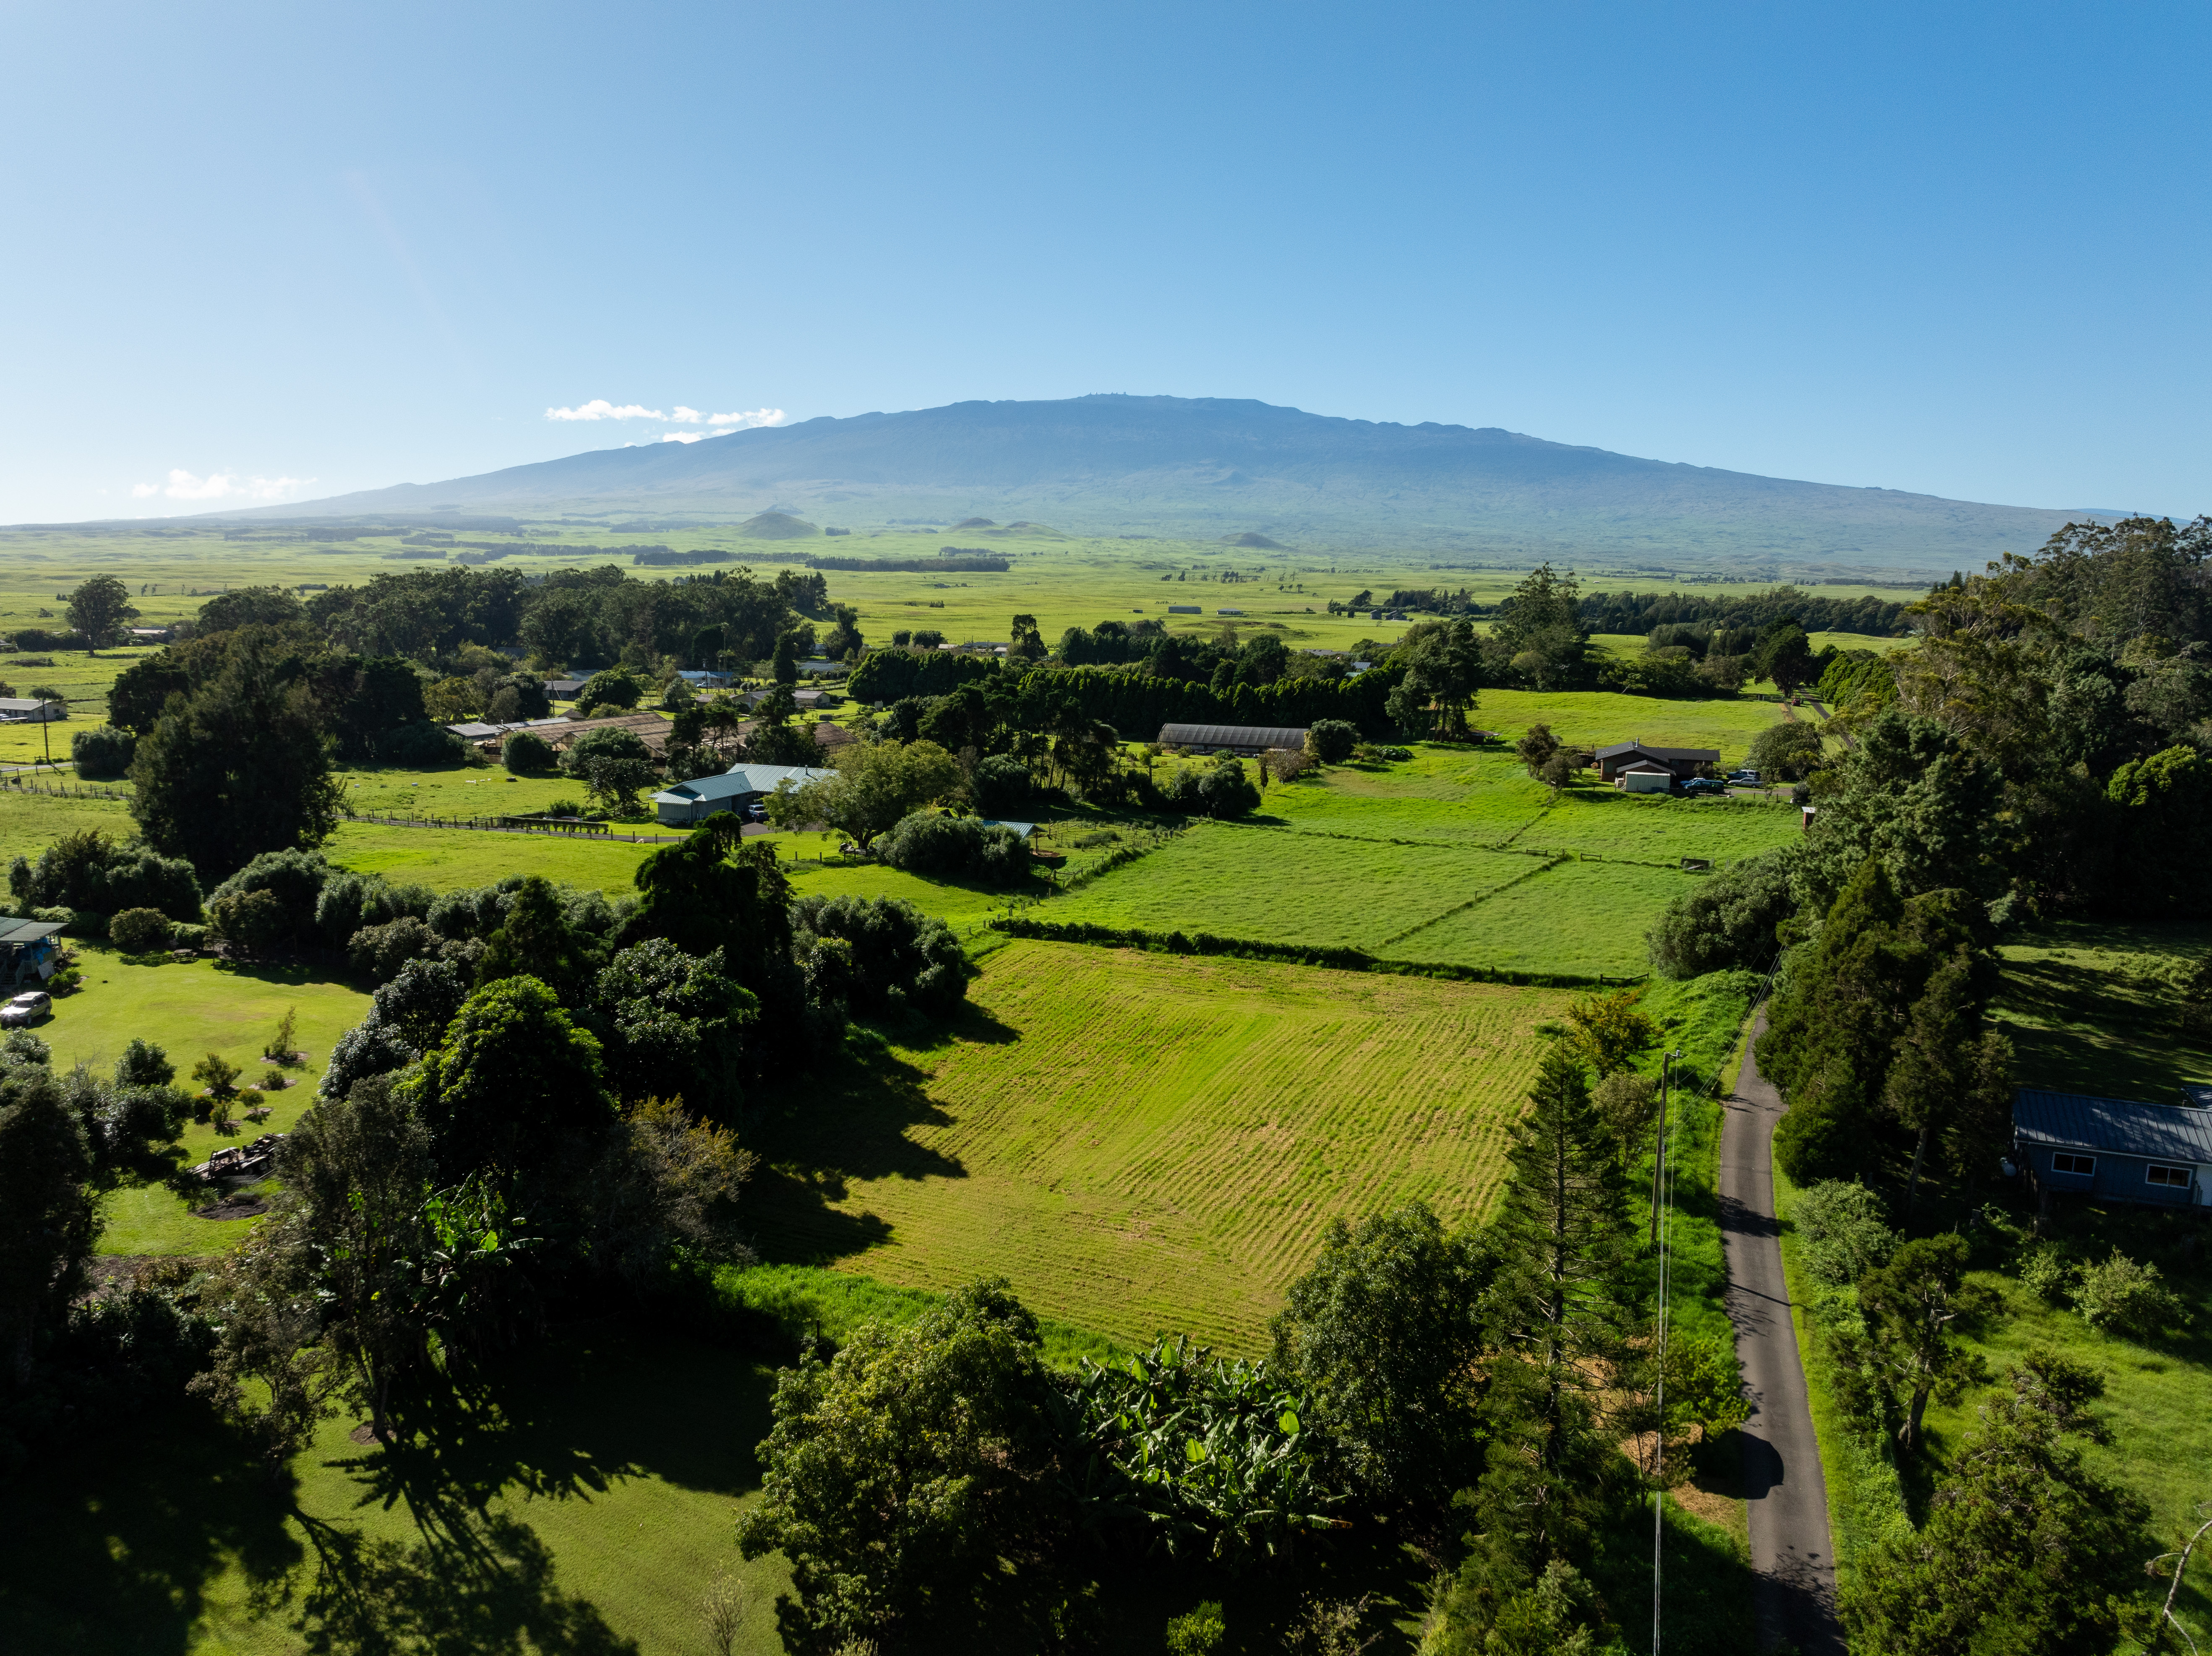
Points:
(1792, 1557)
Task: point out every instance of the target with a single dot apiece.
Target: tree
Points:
(893, 955)
(614, 763)
(675, 1023)
(1785, 656)
(1610, 1030)
(707, 645)
(1539, 632)
(844, 642)
(2025, 1548)
(139, 931)
(98, 608)
(358, 1167)
(250, 606)
(871, 789)
(1728, 919)
(1383, 1332)
(909, 1480)
(1791, 750)
(666, 1189)
(217, 1074)
(1910, 1352)
(1625, 1100)
(239, 768)
(102, 751)
(1945, 1071)
(525, 753)
(536, 939)
(272, 1376)
(1442, 661)
(1913, 797)
(614, 687)
(1535, 747)
(513, 1087)
(1330, 741)
(51, 1224)
(1028, 644)
(406, 1017)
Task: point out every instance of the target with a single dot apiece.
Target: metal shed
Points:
(1244, 739)
(2114, 1148)
(27, 951)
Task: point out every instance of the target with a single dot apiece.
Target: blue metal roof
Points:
(2167, 1132)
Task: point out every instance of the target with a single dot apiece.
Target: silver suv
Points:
(27, 1008)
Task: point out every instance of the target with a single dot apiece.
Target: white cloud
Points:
(220, 486)
(684, 436)
(599, 408)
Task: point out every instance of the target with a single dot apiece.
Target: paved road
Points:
(1790, 1553)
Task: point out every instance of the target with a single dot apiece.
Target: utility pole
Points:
(1659, 1158)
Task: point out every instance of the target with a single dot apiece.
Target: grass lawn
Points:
(1296, 889)
(451, 859)
(1598, 719)
(29, 822)
(2094, 1008)
(1658, 828)
(1145, 1142)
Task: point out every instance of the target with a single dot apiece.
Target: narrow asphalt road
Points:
(1791, 1555)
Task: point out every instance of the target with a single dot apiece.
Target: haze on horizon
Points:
(267, 255)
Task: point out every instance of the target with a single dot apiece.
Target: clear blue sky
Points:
(1958, 250)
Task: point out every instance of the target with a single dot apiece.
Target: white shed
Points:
(1645, 778)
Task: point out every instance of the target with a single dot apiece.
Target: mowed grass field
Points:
(1585, 918)
(1147, 1142)
(1296, 889)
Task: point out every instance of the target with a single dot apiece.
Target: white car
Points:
(27, 1008)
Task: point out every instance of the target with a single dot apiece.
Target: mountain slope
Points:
(1206, 468)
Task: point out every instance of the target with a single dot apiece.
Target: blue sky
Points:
(283, 251)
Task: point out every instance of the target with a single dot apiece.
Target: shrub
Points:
(1200, 1632)
(217, 1074)
(139, 931)
(294, 879)
(1220, 789)
(418, 746)
(187, 936)
(144, 1065)
(2048, 1273)
(899, 955)
(1389, 754)
(1791, 750)
(1001, 785)
(90, 870)
(1843, 1228)
(1726, 919)
(926, 843)
(614, 687)
(381, 951)
(2122, 1297)
(273, 1081)
(1331, 741)
(525, 753)
(103, 750)
(250, 923)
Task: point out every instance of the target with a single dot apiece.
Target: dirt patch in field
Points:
(233, 1207)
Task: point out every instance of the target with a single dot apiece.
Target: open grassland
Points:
(1598, 719)
(451, 859)
(1145, 1142)
(2096, 1008)
(1586, 918)
(191, 1008)
(30, 821)
(1296, 889)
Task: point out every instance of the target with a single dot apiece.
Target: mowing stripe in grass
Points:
(1482, 896)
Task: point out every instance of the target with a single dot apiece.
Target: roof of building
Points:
(561, 690)
(1025, 829)
(24, 704)
(736, 783)
(13, 931)
(477, 731)
(1646, 769)
(1620, 748)
(1232, 735)
(2121, 1126)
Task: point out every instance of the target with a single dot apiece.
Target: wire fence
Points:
(21, 783)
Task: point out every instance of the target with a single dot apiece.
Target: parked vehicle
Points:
(1746, 777)
(1704, 784)
(27, 1008)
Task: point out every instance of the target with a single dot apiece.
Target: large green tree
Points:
(910, 1482)
(1538, 634)
(1384, 1332)
(513, 1087)
(1914, 1307)
(873, 788)
(99, 608)
(237, 768)
(52, 1223)
(1915, 798)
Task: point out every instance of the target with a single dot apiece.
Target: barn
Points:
(2115, 1148)
(739, 787)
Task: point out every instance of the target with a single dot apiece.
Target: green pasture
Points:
(30, 821)
(1598, 719)
(1587, 918)
(1145, 1142)
(1296, 888)
(453, 859)
(2096, 1008)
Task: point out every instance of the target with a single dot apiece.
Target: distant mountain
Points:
(1246, 473)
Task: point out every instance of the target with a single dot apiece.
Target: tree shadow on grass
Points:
(111, 1543)
(569, 1419)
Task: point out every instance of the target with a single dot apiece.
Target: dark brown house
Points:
(1683, 761)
